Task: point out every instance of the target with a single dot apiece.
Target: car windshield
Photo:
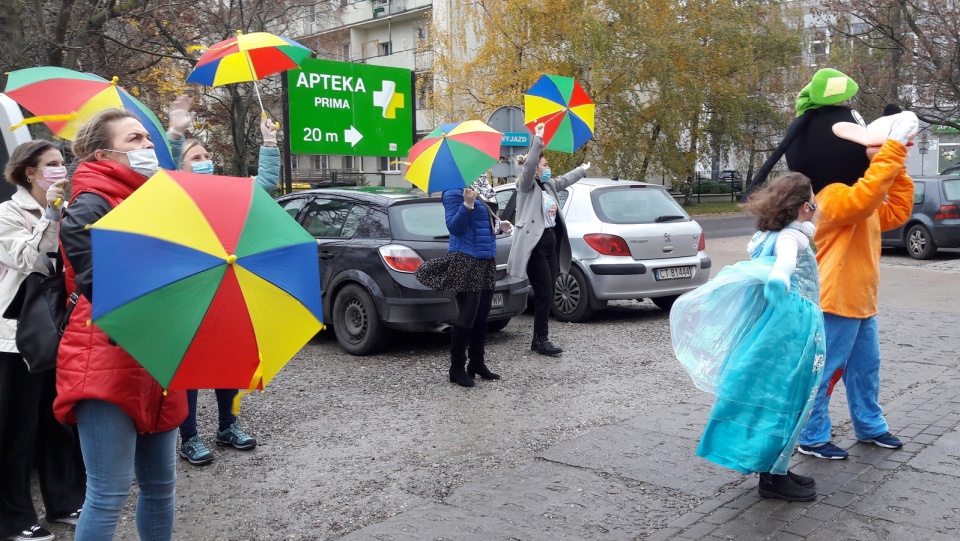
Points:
(635, 205)
(422, 220)
(951, 189)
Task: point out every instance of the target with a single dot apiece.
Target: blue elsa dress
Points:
(763, 362)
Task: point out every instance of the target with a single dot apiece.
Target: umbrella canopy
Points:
(453, 155)
(564, 108)
(64, 99)
(205, 281)
(247, 57)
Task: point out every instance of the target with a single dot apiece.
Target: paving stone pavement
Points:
(639, 479)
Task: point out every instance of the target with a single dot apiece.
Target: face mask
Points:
(546, 175)
(203, 168)
(142, 160)
(51, 175)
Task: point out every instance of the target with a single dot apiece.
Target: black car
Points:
(935, 222)
(370, 240)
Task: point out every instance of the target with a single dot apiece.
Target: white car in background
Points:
(630, 240)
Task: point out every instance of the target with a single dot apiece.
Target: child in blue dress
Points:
(753, 336)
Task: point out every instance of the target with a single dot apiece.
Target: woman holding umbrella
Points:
(127, 422)
(191, 156)
(29, 223)
(540, 247)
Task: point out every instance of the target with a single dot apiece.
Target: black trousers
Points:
(542, 271)
(29, 432)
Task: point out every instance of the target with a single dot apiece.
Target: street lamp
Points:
(923, 145)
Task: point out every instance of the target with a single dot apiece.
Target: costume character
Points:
(858, 174)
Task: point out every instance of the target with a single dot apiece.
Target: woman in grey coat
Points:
(540, 248)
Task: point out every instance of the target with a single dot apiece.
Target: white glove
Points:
(586, 166)
(55, 195)
(904, 127)
(181, 117)
(538, 130)
(268, 128)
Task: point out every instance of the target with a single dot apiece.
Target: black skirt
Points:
(458, 271)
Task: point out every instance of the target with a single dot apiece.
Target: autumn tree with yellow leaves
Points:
(675, 82)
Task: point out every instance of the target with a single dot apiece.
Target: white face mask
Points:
(142, 160)
(51, 175)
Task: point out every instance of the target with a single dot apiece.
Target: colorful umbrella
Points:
(64, 99)
(205, 281)
(564, 108)
(247, 57)
(453, 155)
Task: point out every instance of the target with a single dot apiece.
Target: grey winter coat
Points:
(528, 224)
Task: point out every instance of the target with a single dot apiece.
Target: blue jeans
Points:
(853, 356)
(113, 451)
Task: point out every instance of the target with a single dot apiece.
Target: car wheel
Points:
(571, 297)
(919, 243)
(497, 325)
(356, 321)
(665, 303)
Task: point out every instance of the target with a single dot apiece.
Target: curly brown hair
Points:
(779, 201)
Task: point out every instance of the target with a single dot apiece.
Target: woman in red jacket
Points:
(127, 423)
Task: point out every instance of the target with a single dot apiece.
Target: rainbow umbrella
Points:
(205, 281)
(247, 57)
(564, 108)
(453, 155)
(64, 99)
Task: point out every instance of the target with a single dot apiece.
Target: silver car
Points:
(630, 240)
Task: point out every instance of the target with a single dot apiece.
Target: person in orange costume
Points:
(859, 177)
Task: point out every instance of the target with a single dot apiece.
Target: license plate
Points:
(674, 273)
(497, 301)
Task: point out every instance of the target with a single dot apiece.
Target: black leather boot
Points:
(458, 357)
(477, 366)
(543, 346)
(784, 488)
(802, 480)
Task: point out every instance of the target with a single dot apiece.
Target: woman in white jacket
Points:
(29, 225)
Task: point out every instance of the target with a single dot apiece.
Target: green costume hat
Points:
(828, 87)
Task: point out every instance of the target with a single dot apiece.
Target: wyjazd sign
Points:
(515, 139)
(350, 109)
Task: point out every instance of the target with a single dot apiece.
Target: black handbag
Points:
(41, 310)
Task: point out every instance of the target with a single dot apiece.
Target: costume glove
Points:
(904, 127)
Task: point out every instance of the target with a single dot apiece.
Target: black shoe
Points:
(802, 480)
(545, 347)
(784, 488)
(459, 376)
(478, 368)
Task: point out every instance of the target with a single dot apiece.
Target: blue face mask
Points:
(203, 168)
(546, 175)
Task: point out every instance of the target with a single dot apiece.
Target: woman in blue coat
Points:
(470, 270)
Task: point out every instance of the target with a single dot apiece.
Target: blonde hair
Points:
(187, 145)
(97, 133)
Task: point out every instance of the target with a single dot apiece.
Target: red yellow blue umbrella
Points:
(247, 57)
(453, 155)
(564, 108)
(205, 281)
(64, 99)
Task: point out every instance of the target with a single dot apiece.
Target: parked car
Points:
(630, 240)
(727, 177)
(370, 241)
(935, 222)
(952, 170)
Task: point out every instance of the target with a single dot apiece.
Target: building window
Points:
(321, 162)
(424, 89)
(345, 51)
(347, 162)
(423, 37)
(389, 163)
(385, 48)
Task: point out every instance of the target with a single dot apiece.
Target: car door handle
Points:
(325, 255)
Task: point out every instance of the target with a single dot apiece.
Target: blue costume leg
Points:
(841, 333)
(862, 382)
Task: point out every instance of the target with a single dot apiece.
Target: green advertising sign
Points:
(350, 109)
